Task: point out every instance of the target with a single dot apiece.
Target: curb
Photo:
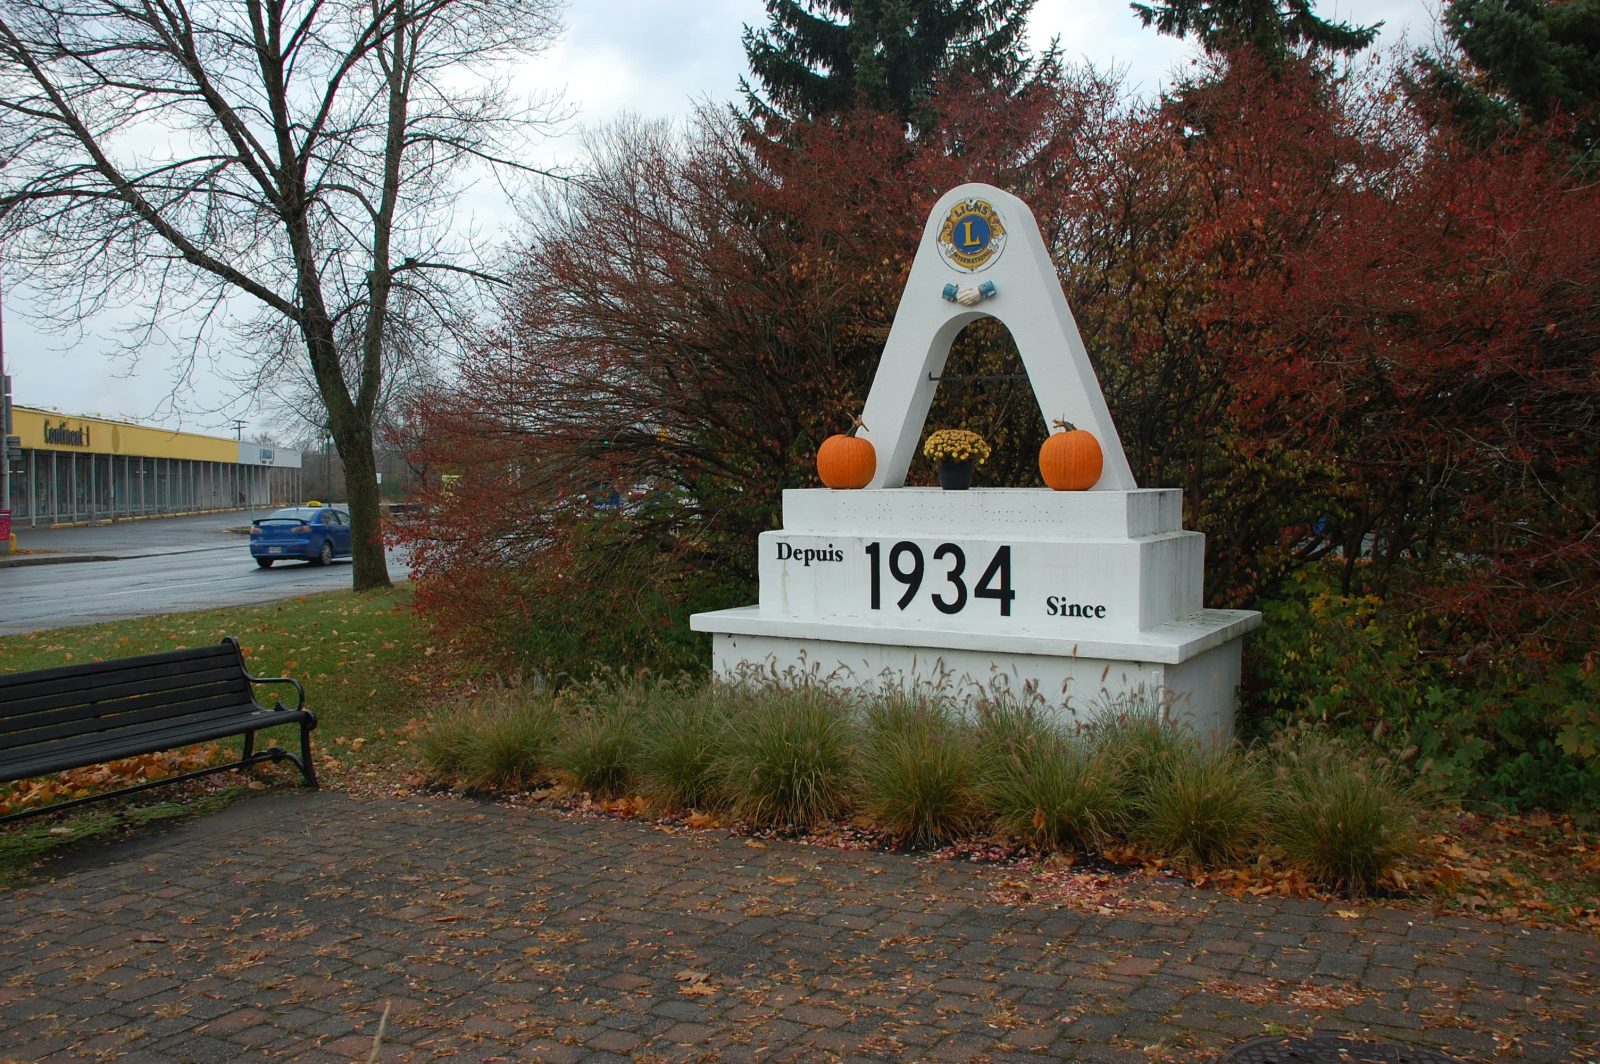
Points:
(55, 559)
(123, 519)
(62, 558)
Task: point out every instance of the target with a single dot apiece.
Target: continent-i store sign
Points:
(1070, 596)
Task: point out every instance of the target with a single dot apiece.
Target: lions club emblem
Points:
(972, 236)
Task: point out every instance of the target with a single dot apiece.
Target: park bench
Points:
(76, 715)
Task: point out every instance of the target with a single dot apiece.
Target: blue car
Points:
(316, 533)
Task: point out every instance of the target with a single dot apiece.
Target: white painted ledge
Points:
(1171, 643)
(996, 513)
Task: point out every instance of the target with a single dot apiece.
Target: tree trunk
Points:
(350, 425)
(369, 568)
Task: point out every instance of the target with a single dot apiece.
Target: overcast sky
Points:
(653, 58)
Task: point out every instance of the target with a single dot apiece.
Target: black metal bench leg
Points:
(249, 745)
(306, 769)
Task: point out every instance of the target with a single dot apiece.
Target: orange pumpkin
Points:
(846, 460)
(1071, 460)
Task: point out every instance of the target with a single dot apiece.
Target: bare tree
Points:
(304, 154)
(411, 371)
(412, 381)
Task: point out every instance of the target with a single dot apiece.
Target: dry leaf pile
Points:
(94, 779)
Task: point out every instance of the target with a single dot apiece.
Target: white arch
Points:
(1027, 299)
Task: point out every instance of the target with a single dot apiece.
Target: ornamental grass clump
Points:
(684, 734)
(596, 751)
(789, 761)
(497, 740)
(598, 742)
(1136, 732)
(956, 445)
(1205, 807)
(1053, 790)
(919, 771)
(1342, 815)
(1003, 721)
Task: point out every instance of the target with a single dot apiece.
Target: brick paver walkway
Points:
(281, 927)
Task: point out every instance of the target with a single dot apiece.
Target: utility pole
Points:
(238, 470)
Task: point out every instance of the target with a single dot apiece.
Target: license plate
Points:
(274, 550)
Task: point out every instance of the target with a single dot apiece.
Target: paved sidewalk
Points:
(281, 927)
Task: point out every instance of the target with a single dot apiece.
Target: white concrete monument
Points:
(1069, 595)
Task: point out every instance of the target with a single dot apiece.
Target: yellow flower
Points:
(956, 445)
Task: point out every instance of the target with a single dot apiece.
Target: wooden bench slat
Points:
(148, 738)
(67, 688)
(154, 674)
(30, 712)
(150, 669)
(135, 732)
(130, 717)
(239, 720)
(119, 745)
(85, 714)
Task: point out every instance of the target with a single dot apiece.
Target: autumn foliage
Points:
(688, 325)
(1345, 331)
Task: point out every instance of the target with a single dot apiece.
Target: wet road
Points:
(163, 566)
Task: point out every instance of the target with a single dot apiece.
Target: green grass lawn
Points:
(368, 664)
(362, 658)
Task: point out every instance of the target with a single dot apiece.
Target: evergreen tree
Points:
(821, 57)
(1521, 60)
(1271, 27)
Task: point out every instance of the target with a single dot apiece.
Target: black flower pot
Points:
(955, 476)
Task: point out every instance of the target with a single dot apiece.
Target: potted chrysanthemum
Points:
(958, 452)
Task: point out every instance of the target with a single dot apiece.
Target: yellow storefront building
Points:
(74, 469)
